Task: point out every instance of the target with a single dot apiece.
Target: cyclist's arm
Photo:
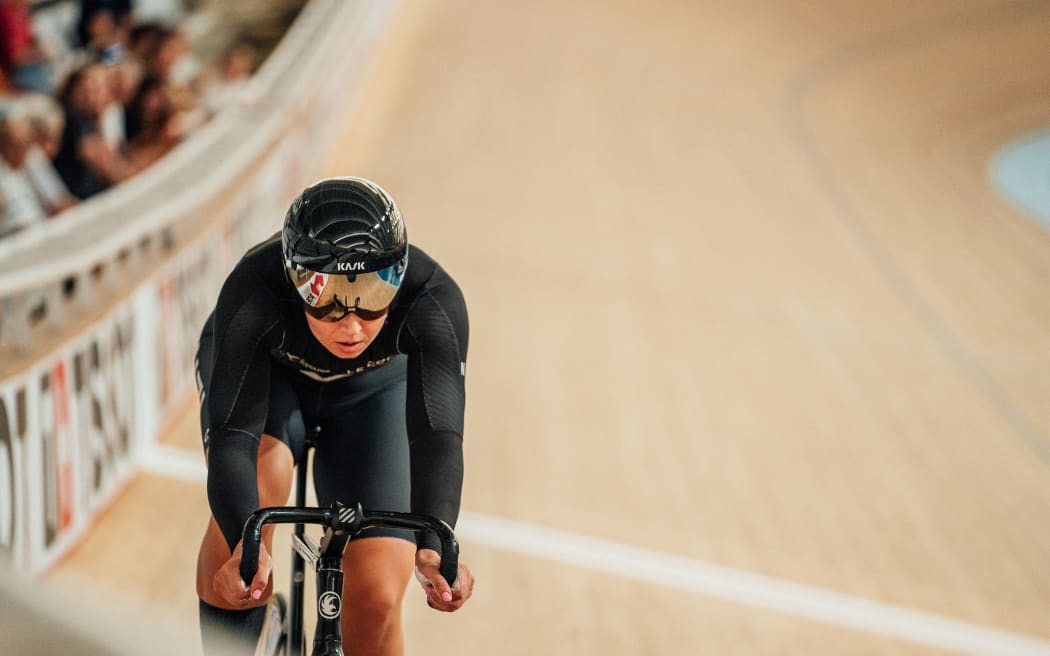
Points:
(435, 337)
(237, 406)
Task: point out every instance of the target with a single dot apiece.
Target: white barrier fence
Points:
(74, 420)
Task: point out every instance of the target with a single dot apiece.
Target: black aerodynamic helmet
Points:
(345, 248)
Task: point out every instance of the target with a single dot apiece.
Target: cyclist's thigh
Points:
(284, 417)
(362, 453)
(282, 445)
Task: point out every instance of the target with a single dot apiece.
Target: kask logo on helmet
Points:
(350, 266)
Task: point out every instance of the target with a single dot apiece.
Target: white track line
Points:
(745, 587)
(699, 577)
(176, 463)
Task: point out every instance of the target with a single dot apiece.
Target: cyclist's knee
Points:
(377, 572)
(378, 609)
(377, 625)
(379, 600)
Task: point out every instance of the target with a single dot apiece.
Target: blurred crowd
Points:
(83, 110)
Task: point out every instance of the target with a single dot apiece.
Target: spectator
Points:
(105, 39)
(125, 77)
(21, 206)
(24, 62)
(144, 39)
(85, 161)
(47, 121)
(104, 23)
(167, 57)
(227, 82)
(153, 124)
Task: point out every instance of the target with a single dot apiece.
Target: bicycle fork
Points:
(296, 594)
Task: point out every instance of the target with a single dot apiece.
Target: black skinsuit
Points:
(391, 419)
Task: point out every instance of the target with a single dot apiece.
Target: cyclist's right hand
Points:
(229, 586)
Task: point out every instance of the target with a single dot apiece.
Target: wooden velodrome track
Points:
(740, 295)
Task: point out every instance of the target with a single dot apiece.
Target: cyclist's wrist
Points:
(428, 541)
(427, 556)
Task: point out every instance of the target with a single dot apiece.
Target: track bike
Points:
(283, 632)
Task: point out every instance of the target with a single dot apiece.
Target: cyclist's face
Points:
(348, 337)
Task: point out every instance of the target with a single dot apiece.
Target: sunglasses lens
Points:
(370, 315)
(335, 312)
(329, 312)
(367, 294)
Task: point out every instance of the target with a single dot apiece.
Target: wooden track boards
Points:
(739, 292)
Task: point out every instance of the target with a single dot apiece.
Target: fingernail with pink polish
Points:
(447, 596)
(256, 594)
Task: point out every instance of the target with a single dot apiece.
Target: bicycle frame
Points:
(295, 595)
(342, 522)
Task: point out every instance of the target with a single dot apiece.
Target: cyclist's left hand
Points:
(440, 596)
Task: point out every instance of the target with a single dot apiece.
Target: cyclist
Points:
(337, 323)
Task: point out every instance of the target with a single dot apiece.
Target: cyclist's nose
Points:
(351, 324)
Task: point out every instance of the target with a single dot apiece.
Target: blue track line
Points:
(1021, 173)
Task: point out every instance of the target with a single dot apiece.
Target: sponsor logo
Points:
(58, 442)
(13, 469)
(317, 285)
(328, 605)
(103, 402)
(350, 266)
(347, 515)
(325, 375)
(80, 416)
(312, 289)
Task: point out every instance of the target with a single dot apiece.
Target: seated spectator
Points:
(105, 40)
(125, 77)
(104, 27)
(24, 62)
(167, 57)
(153, 125)
(144, 39)
(85, 161)
(103, 23)
(21, 206)
(176, 63)
(226, 83)
(47, 121)
(47, 118)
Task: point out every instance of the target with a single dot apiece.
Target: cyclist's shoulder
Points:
(258, 279)
(430, 302)
(260, 267)
(263, 258)
(426, 276)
